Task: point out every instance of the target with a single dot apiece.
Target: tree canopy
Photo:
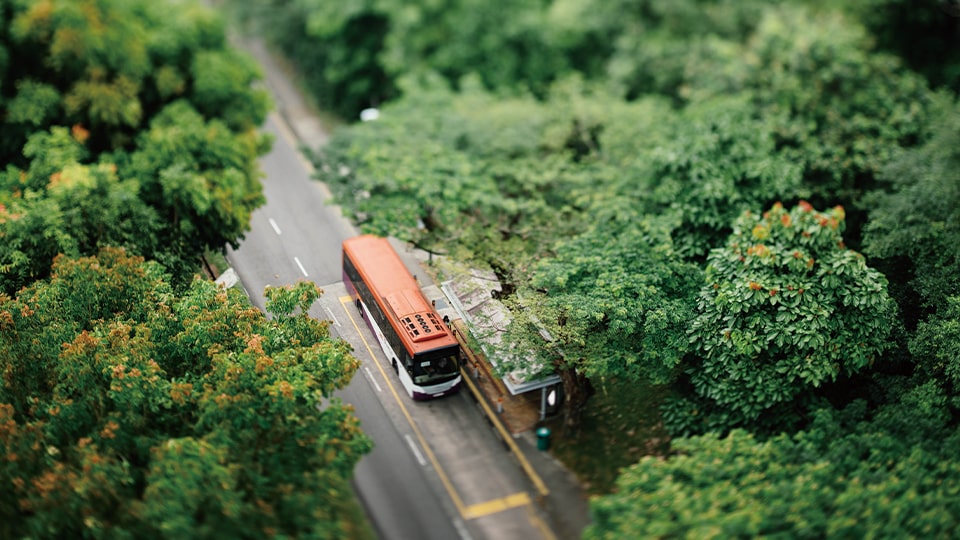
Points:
(618, 165)
(842, 477)
(125, 124)
(137, 401)
(129, 410)
(750, 204)
(785, 305)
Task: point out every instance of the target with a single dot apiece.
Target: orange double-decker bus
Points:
(420, 346)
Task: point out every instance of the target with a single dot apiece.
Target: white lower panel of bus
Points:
(413, 390)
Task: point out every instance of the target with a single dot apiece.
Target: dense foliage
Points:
(636, 173)
(751, 204)
(129, 410)
(126, 124)
(135, 400)
(829, 481)
(786, 306)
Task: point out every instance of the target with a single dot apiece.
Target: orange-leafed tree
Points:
(127, 410)
(786, 307)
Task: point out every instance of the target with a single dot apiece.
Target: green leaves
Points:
(858, 471)
(88, 80)
(937, 345)
(201, 177)
(221, 81)
(617, 300)
(129, 409)
(785, 307)
(191, 490)
(35, 104)
(835, 109)
(719, 162)
(470, 170)
(839, 478)
(113, 103)
(860, 108)
(31, 236)
(914, 225)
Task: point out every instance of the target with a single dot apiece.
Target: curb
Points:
(494, 420)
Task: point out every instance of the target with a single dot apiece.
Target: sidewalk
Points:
(561, 500)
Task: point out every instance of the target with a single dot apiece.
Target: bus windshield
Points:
(435, 369)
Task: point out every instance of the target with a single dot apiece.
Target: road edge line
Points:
(538, 482)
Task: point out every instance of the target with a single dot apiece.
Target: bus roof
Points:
(398, 293)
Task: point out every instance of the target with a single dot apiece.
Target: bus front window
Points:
(435, 370)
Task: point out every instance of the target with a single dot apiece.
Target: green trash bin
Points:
(543, 438)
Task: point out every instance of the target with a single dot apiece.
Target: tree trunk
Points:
(576, 390)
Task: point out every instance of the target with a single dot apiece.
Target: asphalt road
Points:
(437, 470)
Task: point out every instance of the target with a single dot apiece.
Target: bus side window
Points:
(407, 360)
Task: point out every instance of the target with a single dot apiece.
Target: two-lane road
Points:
(436, 471)
(296, 229)
(294, 237)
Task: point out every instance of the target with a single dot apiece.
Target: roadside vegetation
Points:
(742, 216)
(621, 425)
(750, 206)
(136, 400)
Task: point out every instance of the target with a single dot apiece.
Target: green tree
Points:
(203, 180)
(98, 207)
(718, 162)
(218, 79)
(844, 128)
(661, 44)
(87, 53)
(90, 78)
(110, 65)
(484, 177)
(913, 230)
(191, 491)
(32, 235)
(833, 106)
(131, 411)
(935, 347)
(508, 45)
(355, 55)
(920, 32)
(177, 196)
(914, 226)
(846, 476)
(785, 307)
(613, 303)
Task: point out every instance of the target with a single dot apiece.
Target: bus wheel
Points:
(395, 368)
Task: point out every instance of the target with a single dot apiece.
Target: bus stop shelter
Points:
(472, 297)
